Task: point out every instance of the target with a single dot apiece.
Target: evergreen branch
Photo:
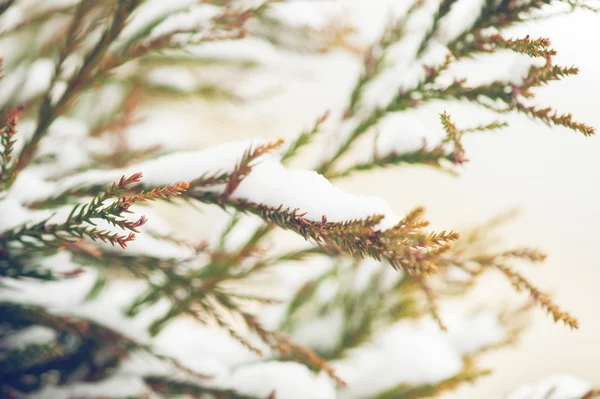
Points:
(286, 346)
(403, 101)
(170, 388)
(594, 393)
(495, 125)
(431, 303)
(374, 58)
(203, 302)
(34, 20)
(8, 129)
(48, 111)
(543, 299)
(21, 267)
(15, 359)
(434, 158)
(244, 166)
(304, 138)
(467, 375)
(68, 196)
(208, 179)
(171, 41)
(535, 48)
(5, 5)
(358, 237)
(511, 95)
(442, 11)
(74, 229)
(454, 136)
(506, 92)
(501, 15)
(550, 117)
(92, 337)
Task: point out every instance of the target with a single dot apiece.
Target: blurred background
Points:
(552, 176)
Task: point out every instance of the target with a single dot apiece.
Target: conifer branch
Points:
(6, 5)
(243, 168)
(169, 387)
(49, 111)
(304, 138)
(431, 303)
(442, 11)
(92, 337)
(35, 20)
(543, 299)
(8, 129)
(594, 393)
(467, 375)
(358, 237)
(403, 101)
(205, 283)
(374, 59)
(433, 158)
(80, 222)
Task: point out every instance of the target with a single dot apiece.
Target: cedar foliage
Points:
(90, 51)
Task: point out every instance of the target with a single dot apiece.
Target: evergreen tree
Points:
(102, 295)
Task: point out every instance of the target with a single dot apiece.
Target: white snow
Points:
(461, 17)
(172, 168)
(414, 353)
(204, 348)
(117, 386)
(174, 77)
(553, 387)
(404, 133)
(194, 18)
(272, 184)
(11, 18)
(66, 297)
(38, 79)
(28, 336)
(368, 268)
(245, 227)
(322, 333)
(14, 214)
(9, 85)
(289, 381)
(153, 10)
(474, 333)
(269, 183)
(404, 354)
